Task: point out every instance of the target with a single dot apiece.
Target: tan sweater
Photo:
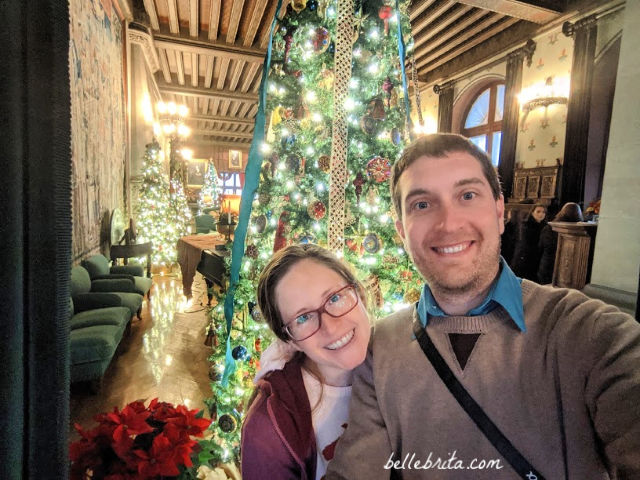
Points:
(566, 394)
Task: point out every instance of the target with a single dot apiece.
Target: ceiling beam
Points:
(180, 67)
(166, 89)
(418, 9)
(501, 43)
(174, 21)
(194, 26)
(467, 45)
(222, 133)
(442, 44)
(208, 48)
(421, 23)
(150, 7)
(195, 73)
(214, 143)
(222, 74)
(516, 8)
(439, 26)
(214, 19)
(217, 118)
(234, 20)
(254, 23)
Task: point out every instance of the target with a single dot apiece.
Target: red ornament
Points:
(379, 169)
(257, 345)
(321, 39)
(280, 241)
(385, 14)
(317, 210)
(358, 182)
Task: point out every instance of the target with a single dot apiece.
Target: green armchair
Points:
(97, 324)
(205, 224)
(99, 269)
(82, 288)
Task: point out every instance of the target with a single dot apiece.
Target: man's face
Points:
(451, 223)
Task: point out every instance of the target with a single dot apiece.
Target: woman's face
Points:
(538, 214)
(340, 344)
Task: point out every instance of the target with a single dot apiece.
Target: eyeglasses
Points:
(336, 305)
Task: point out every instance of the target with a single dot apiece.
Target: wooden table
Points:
(129, 251)
(190, 250)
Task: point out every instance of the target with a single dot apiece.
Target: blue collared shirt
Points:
(506, 291)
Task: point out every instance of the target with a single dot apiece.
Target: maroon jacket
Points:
(277, 435)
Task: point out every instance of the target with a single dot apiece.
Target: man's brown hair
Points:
(438, 145)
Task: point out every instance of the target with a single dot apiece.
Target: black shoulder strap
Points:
(466, 401)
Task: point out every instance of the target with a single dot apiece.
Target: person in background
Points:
(509, 236)
(316, 307)
(526, 257)
(548, 241)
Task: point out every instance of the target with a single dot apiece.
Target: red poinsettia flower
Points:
(161, 410)
(160, 460)
(188, 421)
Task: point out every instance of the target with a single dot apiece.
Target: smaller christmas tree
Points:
(181, 218)
(210, 192)
(154, 208)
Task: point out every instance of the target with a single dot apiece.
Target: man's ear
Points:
(500, 212)
(400, 229)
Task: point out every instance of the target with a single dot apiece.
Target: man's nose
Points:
(448, 218)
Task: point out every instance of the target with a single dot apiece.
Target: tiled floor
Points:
(164, 356)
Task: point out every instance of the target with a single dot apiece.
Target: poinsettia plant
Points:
(138, 442)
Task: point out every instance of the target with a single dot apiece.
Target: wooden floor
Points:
(163, 357)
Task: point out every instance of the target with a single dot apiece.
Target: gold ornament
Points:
(412, 296)
(299, 5)
(324, 163)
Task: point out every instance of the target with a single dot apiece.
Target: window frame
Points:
(236, 188)
(492, 126)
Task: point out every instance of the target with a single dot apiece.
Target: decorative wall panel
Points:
(98, 137)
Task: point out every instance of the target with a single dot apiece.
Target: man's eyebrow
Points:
(416, 192)
(469, 181)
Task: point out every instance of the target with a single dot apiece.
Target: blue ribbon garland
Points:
(252, 177)
(401, 49)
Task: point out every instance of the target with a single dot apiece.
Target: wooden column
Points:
(575, 151)
(574, 255)
(511, 117)
(445, 106)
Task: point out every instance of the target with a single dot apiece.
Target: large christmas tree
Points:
(292, 202)
(154, 208)
(211, 189)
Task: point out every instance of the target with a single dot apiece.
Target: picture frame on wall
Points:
(235, 159)
(196, 170)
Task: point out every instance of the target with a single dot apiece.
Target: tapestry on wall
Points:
(97, 119)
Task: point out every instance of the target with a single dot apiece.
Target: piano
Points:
(213, 269)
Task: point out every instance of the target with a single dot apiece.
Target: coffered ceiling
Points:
(208, 54)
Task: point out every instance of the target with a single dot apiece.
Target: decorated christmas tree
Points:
(293, 204)
(210, 192)
(154, 208)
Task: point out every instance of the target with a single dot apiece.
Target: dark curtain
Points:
(511, 116)
(578, 109)
(445, 107)
(35, 196)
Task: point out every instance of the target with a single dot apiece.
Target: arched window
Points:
(483, 120)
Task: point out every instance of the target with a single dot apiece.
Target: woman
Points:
(526, 257)
(314, 303)
(548, 242)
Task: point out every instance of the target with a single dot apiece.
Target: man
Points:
(556, 372)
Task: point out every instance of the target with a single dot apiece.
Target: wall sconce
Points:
(550, 93)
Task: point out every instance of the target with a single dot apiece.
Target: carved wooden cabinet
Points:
(574, 255)
(539, 184)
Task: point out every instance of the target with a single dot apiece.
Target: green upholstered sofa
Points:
(97, 323)
(99, 269)
(81, 285)
(205, 224)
